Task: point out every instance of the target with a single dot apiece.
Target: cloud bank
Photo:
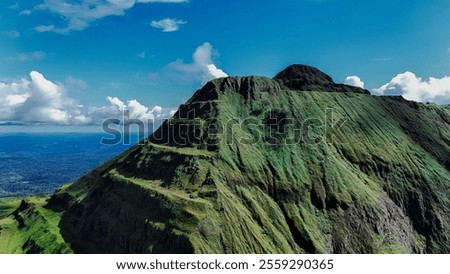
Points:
(39, 100)
(412, 87)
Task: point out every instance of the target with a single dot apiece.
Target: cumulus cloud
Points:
(78, 15)
(35, 100)
(354, 81)
(39, 100)
(117, 107)
(168, 24)
(201, 68)
(415, 88)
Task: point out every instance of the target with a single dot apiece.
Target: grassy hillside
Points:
(294, 164)
(28, 227)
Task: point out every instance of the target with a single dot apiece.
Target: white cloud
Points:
(35, 100)
(31, 56)
(168, 24)
(116, 102)
(415, 88)
(44, 85)
(140, 111)
(13, 100)
(78, 15)
(157, 109)
(354, 81)
(201, 68)
(39, 100)
(214, 72)
(117, 107)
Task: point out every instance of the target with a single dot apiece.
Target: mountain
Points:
(293, 164)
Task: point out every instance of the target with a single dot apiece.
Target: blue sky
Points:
(99, 56)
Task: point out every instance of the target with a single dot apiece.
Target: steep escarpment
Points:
(294, 164)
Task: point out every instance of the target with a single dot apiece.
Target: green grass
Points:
(39, 233)
(183, 150)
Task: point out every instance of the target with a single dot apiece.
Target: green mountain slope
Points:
(294, 164)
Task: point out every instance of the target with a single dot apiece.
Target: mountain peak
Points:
(294, 77)
(303, 77)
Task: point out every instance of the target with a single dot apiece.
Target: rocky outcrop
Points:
(301, 77)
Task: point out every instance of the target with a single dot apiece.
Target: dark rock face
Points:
(246, 86)
(301, 77)
(294, 77)
(109, 226)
